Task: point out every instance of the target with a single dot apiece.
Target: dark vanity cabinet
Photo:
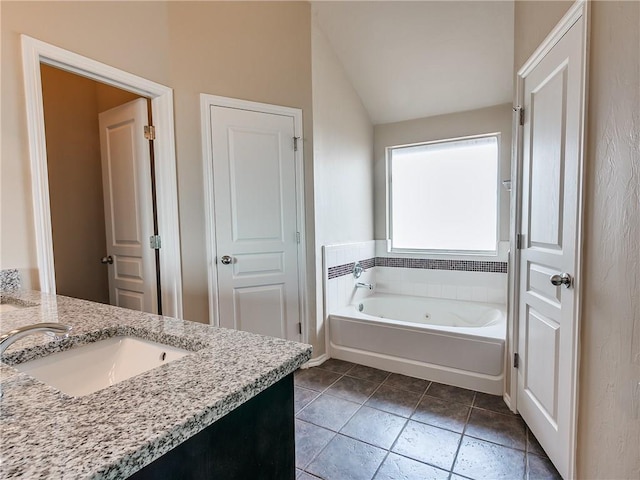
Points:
(254, 441)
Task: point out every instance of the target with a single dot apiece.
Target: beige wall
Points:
(256, 51)
(485, 120)
(608, 419)
(250, 50)
(532, 23)
(343, 162)
(110, 32)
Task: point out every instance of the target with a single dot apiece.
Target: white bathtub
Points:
(447, 341)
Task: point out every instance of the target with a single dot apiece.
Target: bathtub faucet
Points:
(364, 285)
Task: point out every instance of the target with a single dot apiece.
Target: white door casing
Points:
(128, 206)
(35, 52)
(253, 175)
(552, 87)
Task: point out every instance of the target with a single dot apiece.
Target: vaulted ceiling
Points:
(418, 59)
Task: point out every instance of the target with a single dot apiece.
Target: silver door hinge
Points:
(295, 143)
(149, 132)
(519, 241)
(516, 360)
(155, 242)
(297, 237)
(520, 111)
(300, 328)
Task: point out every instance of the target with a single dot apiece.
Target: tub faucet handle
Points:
(364, 285)
(357, 270)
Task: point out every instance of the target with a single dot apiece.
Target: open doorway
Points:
(96, 197)
(35, 53)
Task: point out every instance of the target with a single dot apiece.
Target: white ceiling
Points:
(418, 59)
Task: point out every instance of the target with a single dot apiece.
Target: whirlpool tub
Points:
(448, 341)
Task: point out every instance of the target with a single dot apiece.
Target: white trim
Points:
(581, 8)
(316, 362)
(206, 102)
(209, 209)
(577, 10)
(513, 287)
(35, 52)
(325, 300)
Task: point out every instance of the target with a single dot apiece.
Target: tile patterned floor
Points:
(359, 423)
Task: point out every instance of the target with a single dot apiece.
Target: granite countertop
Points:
(115, 432)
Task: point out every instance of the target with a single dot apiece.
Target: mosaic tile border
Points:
(421, 263)
(433, 264)
(347, 268)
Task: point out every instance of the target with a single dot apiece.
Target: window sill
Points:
(501, 255)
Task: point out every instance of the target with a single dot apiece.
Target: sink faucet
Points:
(364, 285)
(57, 329)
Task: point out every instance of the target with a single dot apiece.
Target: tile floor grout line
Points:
(319, 426)
(423, 422)
(310, 474)
(420, 399)
(526, 442)
(304, 469)
(308, 403)
(357, 378)
(358, 409)
(381, 463)
(407, 421)
(393, 388)
(498, 444)
(387, 451)
(464, 429)
(497, 413)
(421, 461)
(370, 381)
(338, 431)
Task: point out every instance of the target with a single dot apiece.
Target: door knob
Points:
(564, 279)
(226, 260)
(108, 259)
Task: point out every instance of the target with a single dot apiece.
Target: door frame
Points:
(35, 52)
(206, 102)
(579, 9)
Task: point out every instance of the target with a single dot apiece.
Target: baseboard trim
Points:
(314, 362)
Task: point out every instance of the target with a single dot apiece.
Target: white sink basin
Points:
(92, 367)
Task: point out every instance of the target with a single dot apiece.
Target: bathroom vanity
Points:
(223, 409)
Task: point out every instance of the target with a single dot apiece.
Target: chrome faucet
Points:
(364, 285)
(57, 329)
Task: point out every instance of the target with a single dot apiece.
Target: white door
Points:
(128, 206)
(551, 189)
(254, 183)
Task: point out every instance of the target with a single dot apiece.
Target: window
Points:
(443, 196)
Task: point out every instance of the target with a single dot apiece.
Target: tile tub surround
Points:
(482, 279)
(391, 426)
(114, 432)
(339, 282)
